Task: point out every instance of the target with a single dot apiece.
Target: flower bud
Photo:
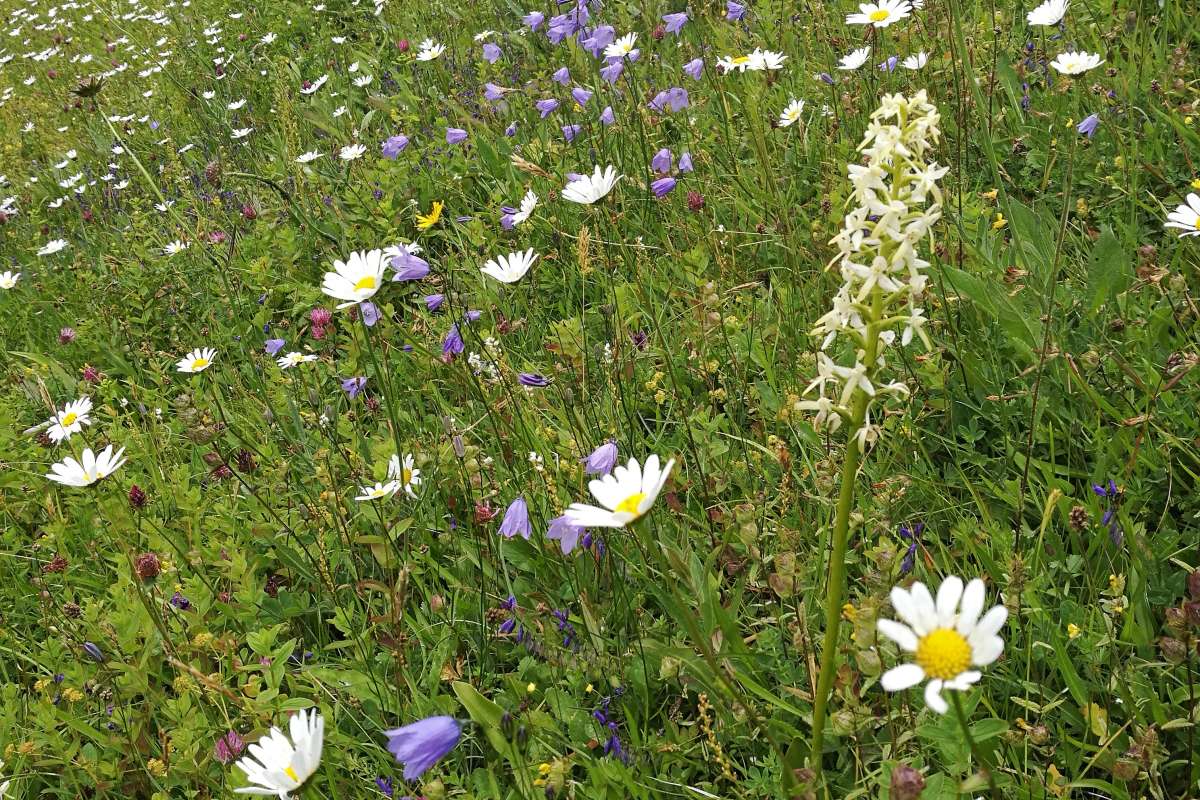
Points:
(907, 783)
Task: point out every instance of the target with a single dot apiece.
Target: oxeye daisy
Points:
(621, 47)
(1076, 63)
(791, 114)
(916, 60)
(881, 14)
(761, 60)
(1048, 13)
(70, 420)
(277, 765)
(427, 221)
(946, 636)
(9, 279)
(1186, 217)
(311, 155)
(88, 469)
(734, 63)
(196, 361)
(53, 246)
(626, 494)
(378, 491)
(356, 279)
(510, 268)
(854, 59)
(352, 151)
(588, 189)
(405, 473)
(293, 359)
(429, 50)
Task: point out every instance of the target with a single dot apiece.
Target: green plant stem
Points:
(836, 573)
(956, 701)
(833, 594)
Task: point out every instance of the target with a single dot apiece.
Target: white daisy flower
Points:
(363, 80)
(240, 133)
(916, 60)
(730, 64)
(1048, 13)
(621, 47)
(196, 361)
(315, 85)
(356, 279)
(761, 60)
(293, 359)
(311, 155)
(1186, 217)
(88, 469)
(1076, 63)
(588, 189)
(8, 280)
(174, 247)
(881, 14)
(405, 473)
(279, 766)
(352, 151)
(528, 203)
(429, 50)
(236, 104)
(378, 491)
(946, 636)
(510, 268)
(792, 113)
(71, 419)
(53, 246)
(855, 59)
(626, 494)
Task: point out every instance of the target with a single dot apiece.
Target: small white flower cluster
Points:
(485, 365)
(897, 202)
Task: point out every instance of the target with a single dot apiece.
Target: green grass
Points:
(1064, 330)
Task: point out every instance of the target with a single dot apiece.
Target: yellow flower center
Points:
(880, 15)
(87, 477)
(406, 475)
(69, 419)
(943, 653)
(200, 363)
(291, 773)
(365, 282)
(630, 504)
(1196, 221)
(740, 60)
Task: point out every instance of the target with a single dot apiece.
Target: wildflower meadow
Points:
(600, 399)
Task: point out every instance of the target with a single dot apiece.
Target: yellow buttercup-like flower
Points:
(427, 221)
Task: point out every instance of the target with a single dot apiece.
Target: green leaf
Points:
(1107, 270)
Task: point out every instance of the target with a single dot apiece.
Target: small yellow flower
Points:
(990, 194)
(72, 695)
(1196, 183)
(1073, 631)
(156, 767)
(531, 688)
(543, 769)
(427, 221)
(1000, 222)
(588, 689)
(849, 612)
(1187, 120)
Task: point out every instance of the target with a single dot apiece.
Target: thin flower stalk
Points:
(877, 308)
